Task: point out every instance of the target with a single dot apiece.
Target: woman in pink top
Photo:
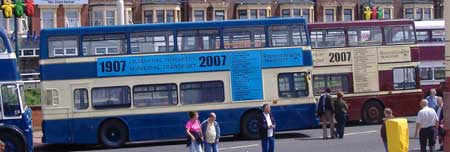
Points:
(194, 132)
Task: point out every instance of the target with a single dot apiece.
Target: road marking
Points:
(237, 147)
(357, 133)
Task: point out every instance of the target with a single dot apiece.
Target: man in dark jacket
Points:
(267, 129)
(325, 112)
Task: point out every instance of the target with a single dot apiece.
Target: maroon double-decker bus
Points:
(372, 62)
(431, 46)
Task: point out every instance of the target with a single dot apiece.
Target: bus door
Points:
(80, 105)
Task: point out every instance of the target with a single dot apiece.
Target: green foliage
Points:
(33, 97)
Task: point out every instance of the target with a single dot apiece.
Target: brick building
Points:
(76, 13)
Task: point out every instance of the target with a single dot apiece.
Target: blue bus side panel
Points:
(246, 76)
(9, 70)
(171, 125)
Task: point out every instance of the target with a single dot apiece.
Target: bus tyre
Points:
(12, 141)
(372, 113)
(249, 125)
(113, 134)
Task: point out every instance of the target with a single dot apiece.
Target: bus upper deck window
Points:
(152, 42)
(197, 40)
(104, 44)
(366, 36)
(327, 38)
(399, 34)
(61, 46)
(244, 37)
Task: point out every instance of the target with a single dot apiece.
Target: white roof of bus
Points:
(435, 24)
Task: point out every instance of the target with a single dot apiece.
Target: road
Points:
(358, 138)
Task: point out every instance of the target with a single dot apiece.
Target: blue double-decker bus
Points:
(114, 84)
(15, 117)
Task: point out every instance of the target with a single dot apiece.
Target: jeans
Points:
(214, 147)
(195, 147)
(268, 144)
(427, 136)
(341, 119)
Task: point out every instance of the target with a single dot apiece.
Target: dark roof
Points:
(295, 2)
(417, 1)
(160, 2)
(377, 1)
(253, 1)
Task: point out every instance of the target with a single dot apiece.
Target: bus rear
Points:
(15, 117)
(431, 47)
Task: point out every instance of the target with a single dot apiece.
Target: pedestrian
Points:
(267, 129)
(432, 99)
(427, 121)
(341, 114)
(194, 132)
(387, 115)
(325, 112)
(441, 131)
(211, 133)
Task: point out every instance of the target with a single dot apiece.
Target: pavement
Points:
(358, 138)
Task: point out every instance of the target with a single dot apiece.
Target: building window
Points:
(297, 12)
(98, 18)
(129, 17)
(262, 13)
(202, 92)
(148, 16)
(387, 13)
(242, 14)
(292, 85)
(170, 16)
(155, 95)
(253, 14)
(72, 18)
(418, 13)
(286, 13)
(48, 19)
(329, 15)
(199, 15)
(159, 16)
(409, 13)
(305, 13)
(219, 15)
(427, 14)
(336, 82)
(81, 100)
(111, 97)
(404, 78)
(110, 17)
(348, 14)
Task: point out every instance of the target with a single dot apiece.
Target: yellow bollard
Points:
(397, 135)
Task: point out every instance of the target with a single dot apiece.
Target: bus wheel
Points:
(113, 134)
(249, 125)
(13, 142)
(372, 113)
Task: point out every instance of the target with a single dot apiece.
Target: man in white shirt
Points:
(267, 130)
(211, 132)
(428, 122)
